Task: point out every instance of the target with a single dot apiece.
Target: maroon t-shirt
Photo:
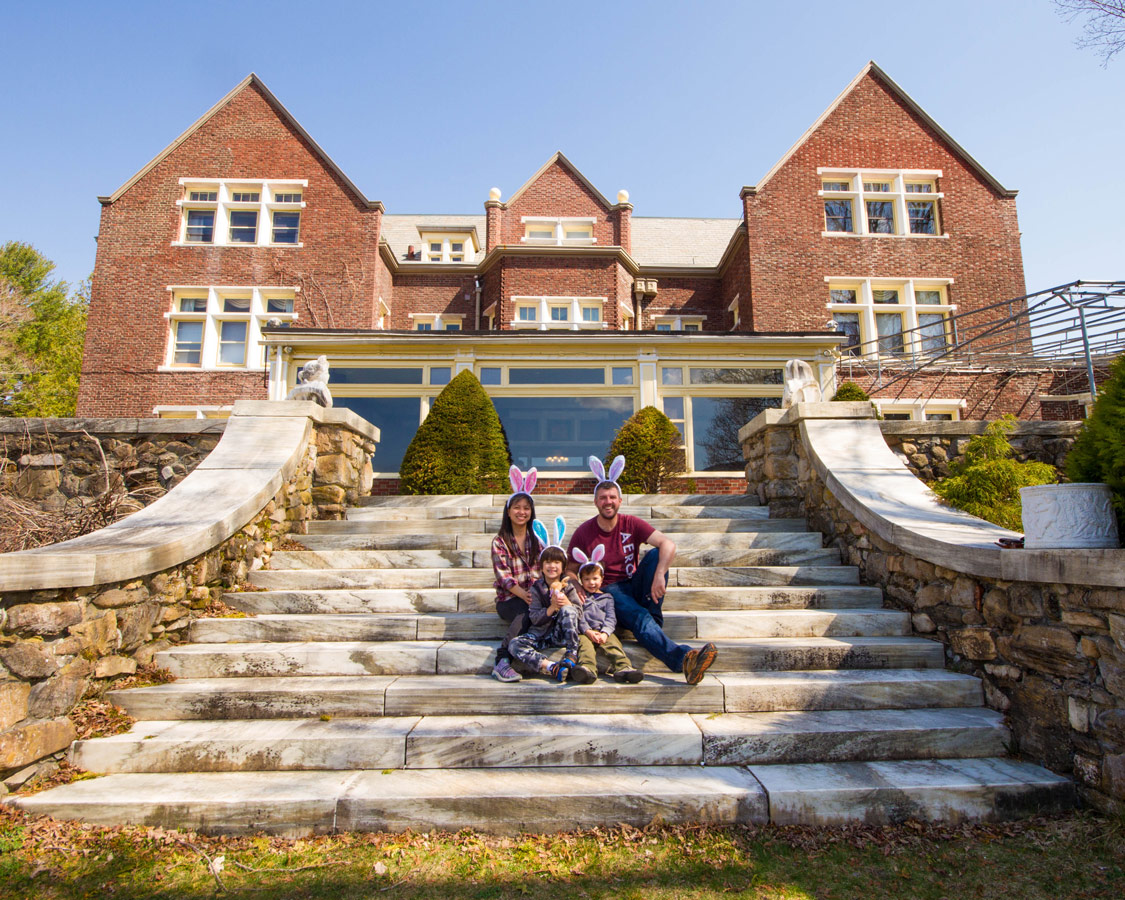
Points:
(621, 545)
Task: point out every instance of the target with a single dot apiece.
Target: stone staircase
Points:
(356, 696)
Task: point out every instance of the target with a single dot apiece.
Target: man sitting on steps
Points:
(637, 590)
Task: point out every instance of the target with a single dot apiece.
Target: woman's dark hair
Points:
(553, 554)
(508, 536)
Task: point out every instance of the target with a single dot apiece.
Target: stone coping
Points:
(968, 427)
(769, 418)
(856, 465)
(262, 444)
(114, 426)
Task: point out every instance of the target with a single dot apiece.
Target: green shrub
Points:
(1098, 454)
(986, 482)
(850, 391)
(650, 444)
(460, 448)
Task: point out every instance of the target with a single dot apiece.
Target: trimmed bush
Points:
(650, 444)
(460, 448)
(849, 391)
(1098, 454)
(986, 482)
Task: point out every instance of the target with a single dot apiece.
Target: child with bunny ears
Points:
(598, 621)
(554, 612)
(515, 563)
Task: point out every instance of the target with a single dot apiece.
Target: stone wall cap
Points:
(319, 414)
(826, 409)
(106, 427)
(969, 427)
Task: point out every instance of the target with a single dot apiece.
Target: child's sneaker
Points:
(558, 671)
(582, 675)
(503, 671)
(628, 676)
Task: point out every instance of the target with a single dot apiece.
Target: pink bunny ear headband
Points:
(594, 559)
(615, 469)
(522, 485)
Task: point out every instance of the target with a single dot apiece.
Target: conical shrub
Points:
(460, 448)
(650, 444)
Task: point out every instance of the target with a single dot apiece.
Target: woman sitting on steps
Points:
(515, 562)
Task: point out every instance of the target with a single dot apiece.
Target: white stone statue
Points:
(312, 383)
(800, 384)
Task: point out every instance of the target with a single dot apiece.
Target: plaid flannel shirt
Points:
(512, 569)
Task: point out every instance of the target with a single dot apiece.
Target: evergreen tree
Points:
(460, 448)
(849, 390)
(651, 445)
(1098, 454)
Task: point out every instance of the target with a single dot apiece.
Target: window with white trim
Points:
(437, 321)
(558, 231)
(678, 323)
(229, 213)
(892, 317)
(449, 247)
(547, 313)
(920, 409)
(880, 202)
(221, 327)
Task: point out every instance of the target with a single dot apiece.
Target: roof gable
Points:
(871, 70)
(560, 161)
(250, 81)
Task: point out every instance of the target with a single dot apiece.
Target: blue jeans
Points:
(637, 611)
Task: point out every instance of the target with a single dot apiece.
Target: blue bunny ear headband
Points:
(602, 477)
(541, 532)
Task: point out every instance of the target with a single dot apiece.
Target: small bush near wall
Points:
(1098, 454)
(849, 391)
(650, 444)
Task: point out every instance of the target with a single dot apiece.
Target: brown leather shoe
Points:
(696, 662)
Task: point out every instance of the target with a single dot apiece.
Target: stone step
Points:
(747, 540)
(484, 600)
(945, 790)
(506, 801)
(477, 741)
(427, 516)
(583, 499)
(482, 559)
(300, 697)
(443, 527)
(678, 625)
(681, 576)
(477, 657)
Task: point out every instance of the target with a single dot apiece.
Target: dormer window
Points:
(558, 232)
(450, 247)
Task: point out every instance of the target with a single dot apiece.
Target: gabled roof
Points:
(872, 69)
(561, 159)
(286, 116)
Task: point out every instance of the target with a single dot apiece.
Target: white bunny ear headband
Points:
(615, 469)
(594, 559)
(522, 484)
(541, 532)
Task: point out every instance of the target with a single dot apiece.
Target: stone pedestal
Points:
(1064, 516)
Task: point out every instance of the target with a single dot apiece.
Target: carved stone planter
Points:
(1061, 516)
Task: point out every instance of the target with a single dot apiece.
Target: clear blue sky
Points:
(428, 105)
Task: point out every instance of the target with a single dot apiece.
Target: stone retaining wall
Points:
(55, 462)
(56, 643)
(927, 448)
(1050, 655)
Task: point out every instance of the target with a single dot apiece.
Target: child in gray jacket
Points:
(598, 619)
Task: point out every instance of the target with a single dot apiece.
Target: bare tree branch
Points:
(1103, 28)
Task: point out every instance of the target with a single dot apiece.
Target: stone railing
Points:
(96, 606)
(927, 448)
(57, 463)
(1043, 629)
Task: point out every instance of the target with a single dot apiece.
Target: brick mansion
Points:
(242, 251)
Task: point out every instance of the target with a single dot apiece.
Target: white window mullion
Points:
(222, 215)
(911, 319)
(867, 314)
(209, 352)
(544, 314)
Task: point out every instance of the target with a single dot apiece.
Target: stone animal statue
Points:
(312, 383)
(800, 384)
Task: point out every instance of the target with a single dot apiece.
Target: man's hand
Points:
(667, 549)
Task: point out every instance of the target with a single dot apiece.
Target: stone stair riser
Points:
(746, 540)
(491, 526)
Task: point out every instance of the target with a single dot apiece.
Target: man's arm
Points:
(667, 548)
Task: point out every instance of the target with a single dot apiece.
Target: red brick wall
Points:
(526, 276)
(556, 193)
(688, 296)
(383, 487)
(736, 283)
(127, 336)
(871, 129)
(433, 293)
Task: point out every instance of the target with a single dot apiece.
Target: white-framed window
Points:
(559, 232)
(678, 323)
(880, 202)
(572, 313)
(221, 327)
(920, 410)
(449, 247)
(902, 318)
(436, 321)
(241, 213)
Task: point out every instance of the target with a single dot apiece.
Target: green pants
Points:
(588, 654)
